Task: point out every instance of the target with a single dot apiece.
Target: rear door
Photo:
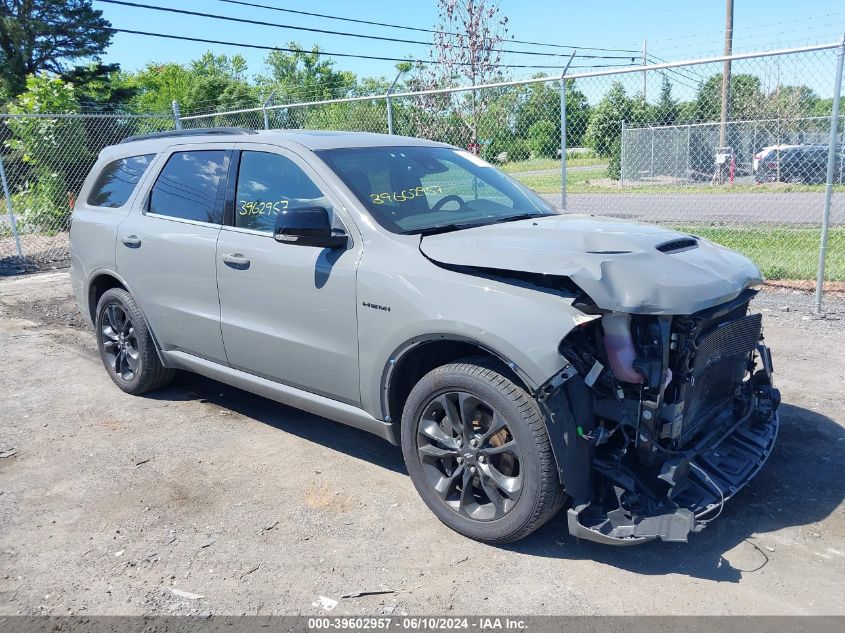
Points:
(288, 313)
(166, 249)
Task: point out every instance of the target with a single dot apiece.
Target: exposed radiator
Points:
(735, 338)
(719, 364)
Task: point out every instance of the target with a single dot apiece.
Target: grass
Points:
(539, 164)
(780, 253)
(576, 181)
(585, 181)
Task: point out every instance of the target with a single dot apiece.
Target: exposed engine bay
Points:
(658, 419)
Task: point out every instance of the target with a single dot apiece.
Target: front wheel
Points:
(126, 345)
(476, 448)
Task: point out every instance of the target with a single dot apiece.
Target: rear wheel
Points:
(476, 447)
(126, 346)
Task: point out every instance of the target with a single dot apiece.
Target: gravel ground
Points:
(112, 504)
(41, 252)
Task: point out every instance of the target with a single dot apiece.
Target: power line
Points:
(697, 77)
(227, 18)
(416, 28)
(187, 38)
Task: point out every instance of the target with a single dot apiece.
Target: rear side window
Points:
(117, 181)
(191, 187)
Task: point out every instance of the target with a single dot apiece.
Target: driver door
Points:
(288, 312)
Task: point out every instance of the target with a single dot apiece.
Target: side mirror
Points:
(307, 226)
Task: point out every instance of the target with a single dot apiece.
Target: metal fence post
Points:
(264, 109)
(828, 187)
(177, 117)
(689, 173)
(563, 132)
(387, 101)
(622, 155)
(10, 210)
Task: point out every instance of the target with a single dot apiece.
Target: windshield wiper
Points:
(521, 216)
(458, 226)
(444, 228)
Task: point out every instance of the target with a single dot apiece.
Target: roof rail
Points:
(200, 131)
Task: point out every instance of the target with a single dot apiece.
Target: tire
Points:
(126, 346)
(515, 488)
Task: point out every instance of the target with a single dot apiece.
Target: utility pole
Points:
(726, 70)
(645, 72)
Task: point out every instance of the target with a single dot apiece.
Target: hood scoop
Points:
(676, 246)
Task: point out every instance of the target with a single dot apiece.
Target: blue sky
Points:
(674, 30)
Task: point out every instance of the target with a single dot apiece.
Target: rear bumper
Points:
(704, 477)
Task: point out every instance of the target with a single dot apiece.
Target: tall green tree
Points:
(304, 75)
(666, 110)
(45, 35)
(605, 125)
(208, 83)
(541, 102)
(52, 151)
(747, 100)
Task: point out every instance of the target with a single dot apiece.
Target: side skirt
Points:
(318, 405)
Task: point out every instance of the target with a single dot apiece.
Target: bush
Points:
(43, 207)
(542, 139)
(518, 150)
(505, 142)
(614, 167)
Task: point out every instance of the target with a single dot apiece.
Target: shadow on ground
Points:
(332, 435)
(801, 485)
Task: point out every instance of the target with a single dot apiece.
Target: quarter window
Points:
(269, 184)
(191, 187)
(117, 181)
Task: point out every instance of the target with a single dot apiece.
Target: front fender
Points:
(521, 325)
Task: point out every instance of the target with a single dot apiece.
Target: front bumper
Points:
(719, 467)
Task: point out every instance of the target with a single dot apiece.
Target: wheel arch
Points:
(103, 280)
(416, 357)
(98, 283)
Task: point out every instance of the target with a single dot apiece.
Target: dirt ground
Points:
(111, 504)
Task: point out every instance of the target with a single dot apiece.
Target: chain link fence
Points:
(646, 144)
(43, 161)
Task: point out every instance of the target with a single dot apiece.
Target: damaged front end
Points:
(658, 420)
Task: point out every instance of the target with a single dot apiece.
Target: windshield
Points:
(431, 189)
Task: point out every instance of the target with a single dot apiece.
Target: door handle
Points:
(132, 241)
(236, 260)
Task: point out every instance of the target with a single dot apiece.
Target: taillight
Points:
(771, 164)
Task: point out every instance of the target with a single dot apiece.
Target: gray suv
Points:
(523, 359)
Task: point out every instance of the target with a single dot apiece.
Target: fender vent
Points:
(676, 246)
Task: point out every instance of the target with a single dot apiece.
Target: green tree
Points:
(606, 119)
(304, 76)
(542, 139)
(219, 81)
(747, 100)
(666, 110)
(98, 86)
(43, 35)
(208, 83)
(51, 150)
(541, 101)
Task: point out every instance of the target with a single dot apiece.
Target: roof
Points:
(311, 139)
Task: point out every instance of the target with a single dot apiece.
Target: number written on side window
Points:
(269, 184)
(191, 187)
(117, 181)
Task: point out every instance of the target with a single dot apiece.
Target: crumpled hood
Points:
(616, 263)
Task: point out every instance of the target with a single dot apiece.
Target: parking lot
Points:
(205, 499)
